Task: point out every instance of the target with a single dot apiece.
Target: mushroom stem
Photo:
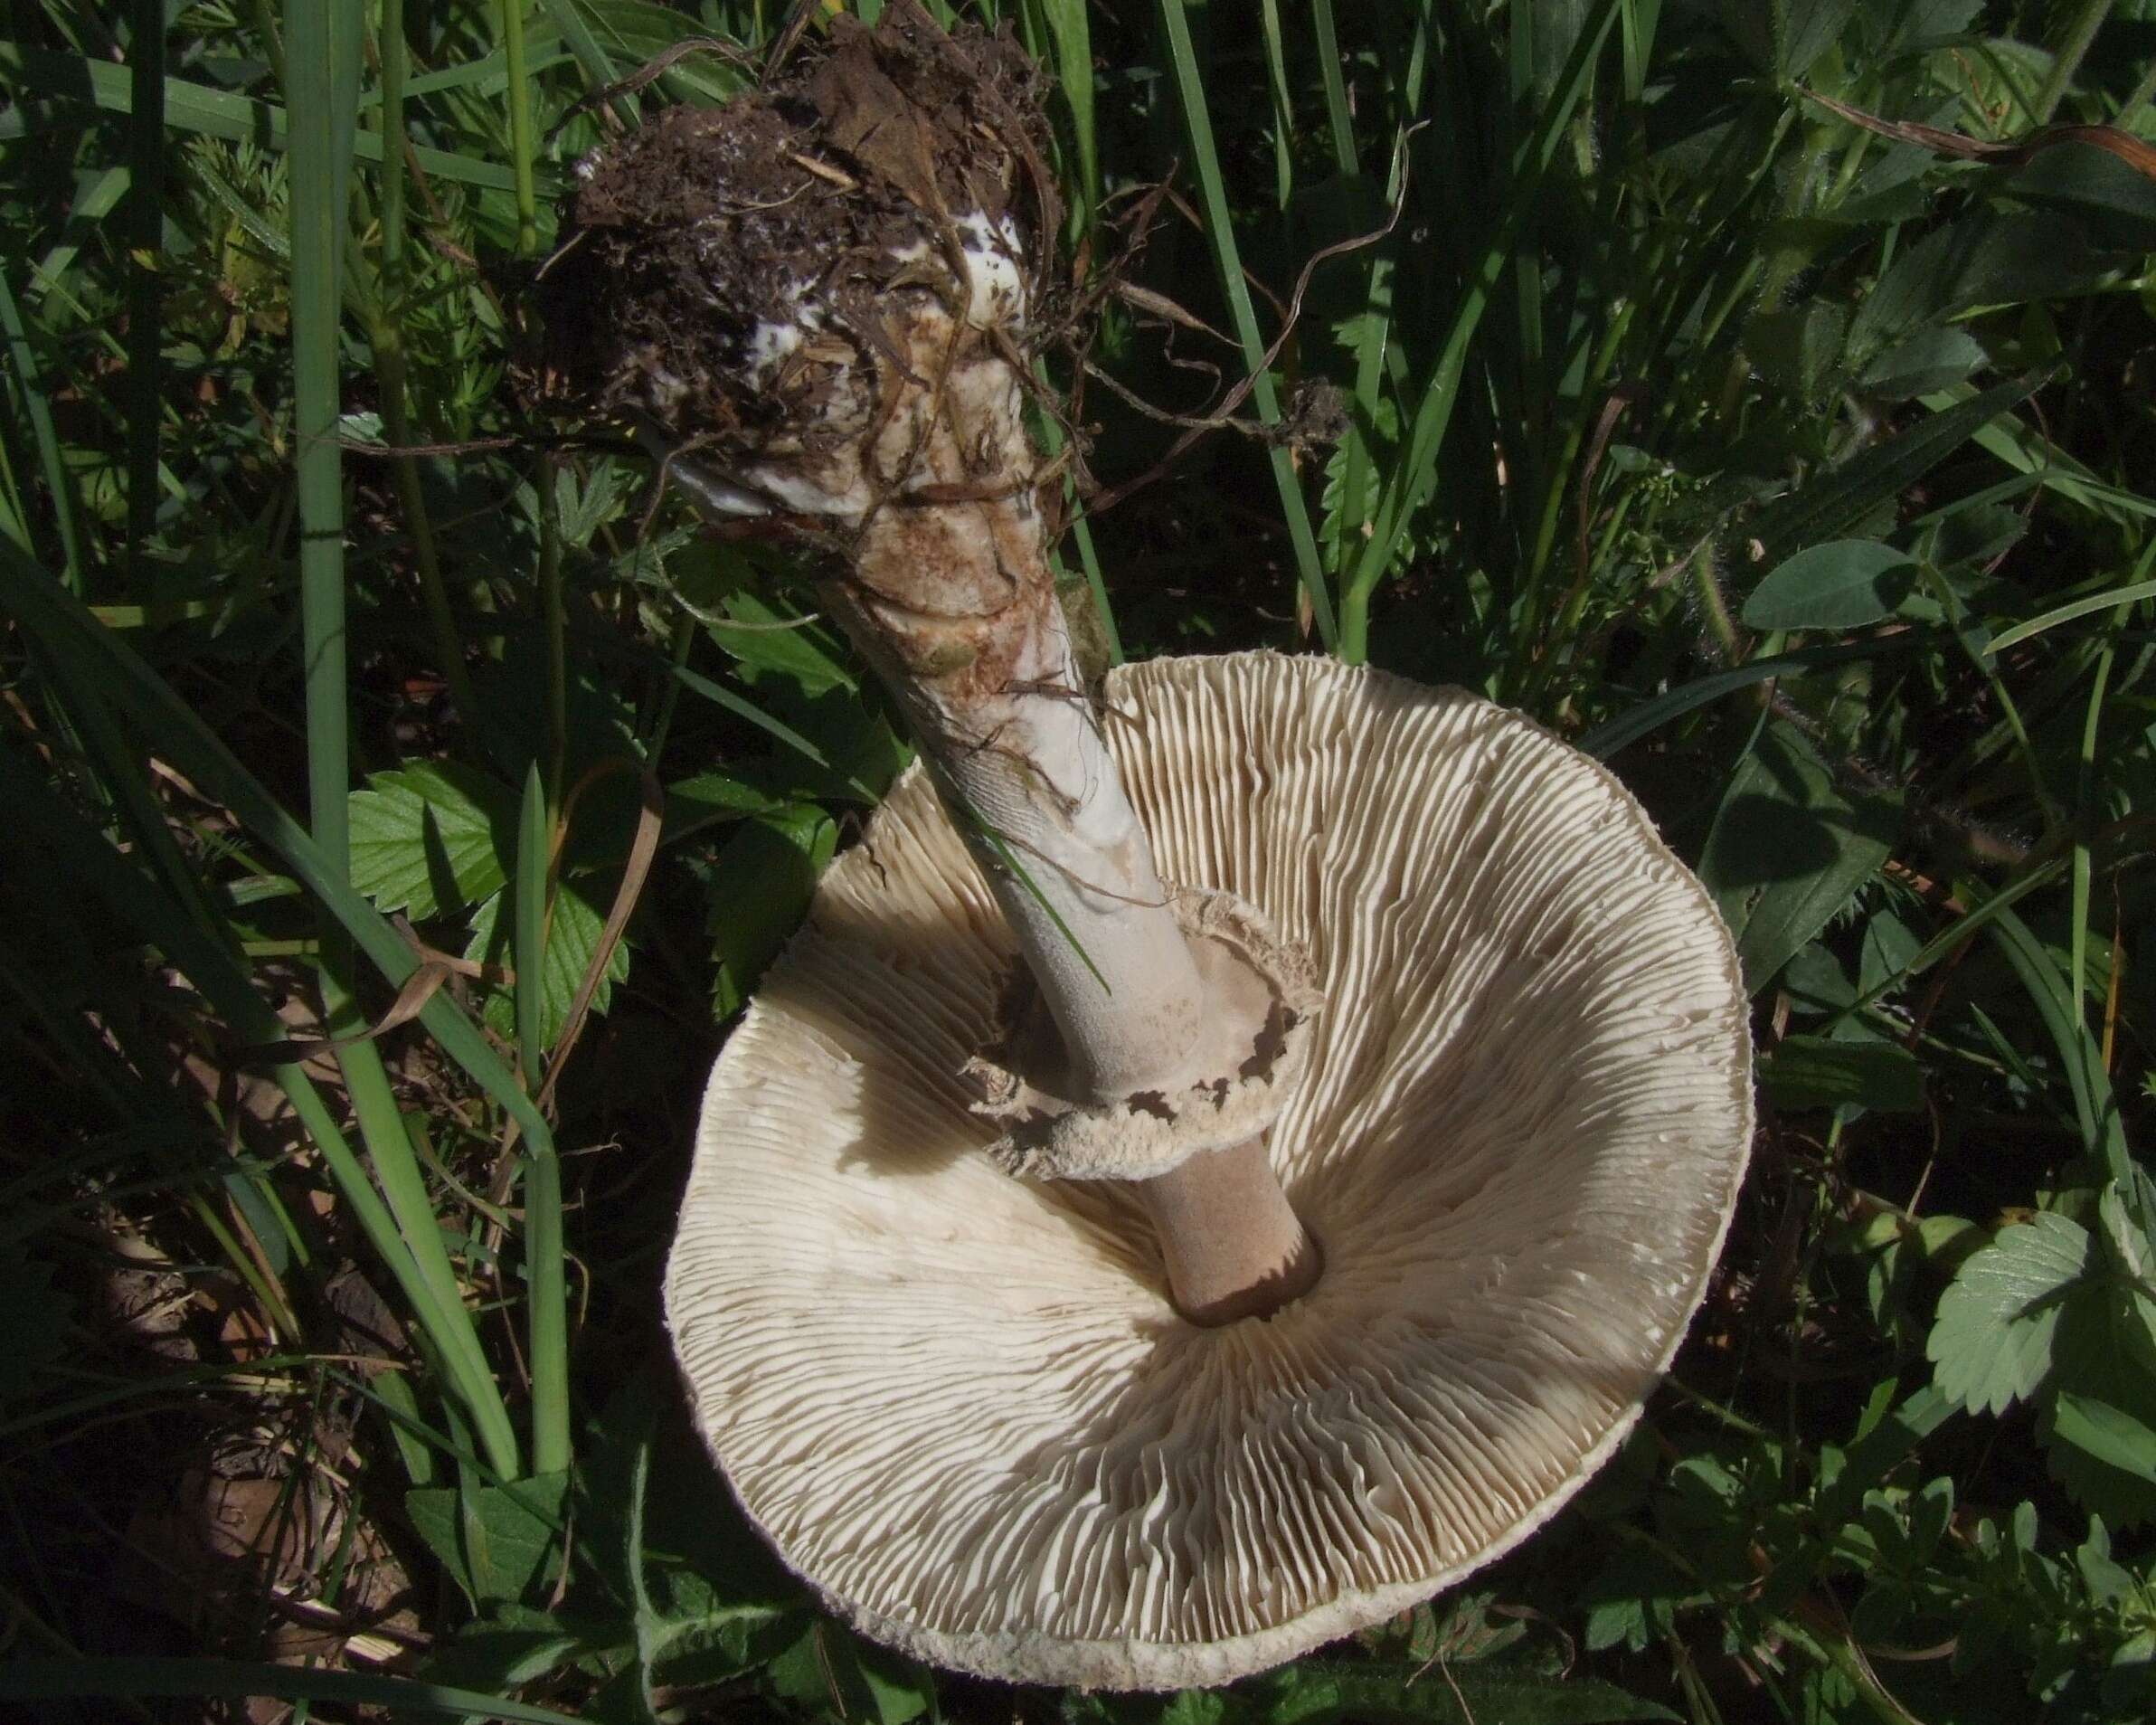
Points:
(1232, 1246)
(956, 606)
(945, 587)
(860, 381)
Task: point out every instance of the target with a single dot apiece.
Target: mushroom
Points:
(965, 1407)
(1202, 1181)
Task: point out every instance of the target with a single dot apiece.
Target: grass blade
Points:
(1605, 740)
(1416, 477)
(2067, 613)
(84, 856)
(1838, 499)
(520, 125)
(189, 106)
(1197, 125)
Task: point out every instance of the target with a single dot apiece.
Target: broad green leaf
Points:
(829, 1666)
(429, 837)
(500, 1651)
(571, 937)
(1633, 1597)
(1888, 950)
(1818, 1072)
(1844, 583)
(2099, 1428)
(768, 642)
(711, 799)
(758, 888)
(1931, 359)
(1787, 848)
(1992, 1344)
(1782, 38)
(2108, 1433)
(2115, 200)
(491, 1538)
(1984, 259)
(1797, 348)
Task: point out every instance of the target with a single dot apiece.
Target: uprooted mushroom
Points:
(994, 1291)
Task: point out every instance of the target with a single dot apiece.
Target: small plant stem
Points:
(1283, 107)
(387, 335)
(284, 1328)
(1714, 609)
(553, 619)
(1527, 629)
(2140, 95)
(2086, 23)
(533, 846)
(520, 125)
(273, 46)
(1220, 229)
(324, 63)
(670, 694)
(1417, 474)
(543, 1248)
(1949, 602)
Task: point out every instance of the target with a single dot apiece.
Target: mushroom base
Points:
(1232, 1246)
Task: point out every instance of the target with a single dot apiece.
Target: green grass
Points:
(1803, 474)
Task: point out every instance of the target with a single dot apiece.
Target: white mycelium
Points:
(963, 1407)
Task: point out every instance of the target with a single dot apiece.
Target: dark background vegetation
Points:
(1792, 456)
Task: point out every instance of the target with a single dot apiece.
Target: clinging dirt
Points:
(734, 275)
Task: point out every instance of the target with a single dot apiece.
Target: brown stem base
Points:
(1234, 1247)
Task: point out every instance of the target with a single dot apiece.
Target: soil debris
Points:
(733, 277)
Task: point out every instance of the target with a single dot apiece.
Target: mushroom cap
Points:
(961, 1407)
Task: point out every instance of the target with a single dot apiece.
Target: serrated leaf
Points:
(429, 837)
(571, 937)
(1819, 1072)
(1787, 848)
(1930, 360)
(1841, 584)
(1992, 1344)
(1984, 259)
(491, 1538)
